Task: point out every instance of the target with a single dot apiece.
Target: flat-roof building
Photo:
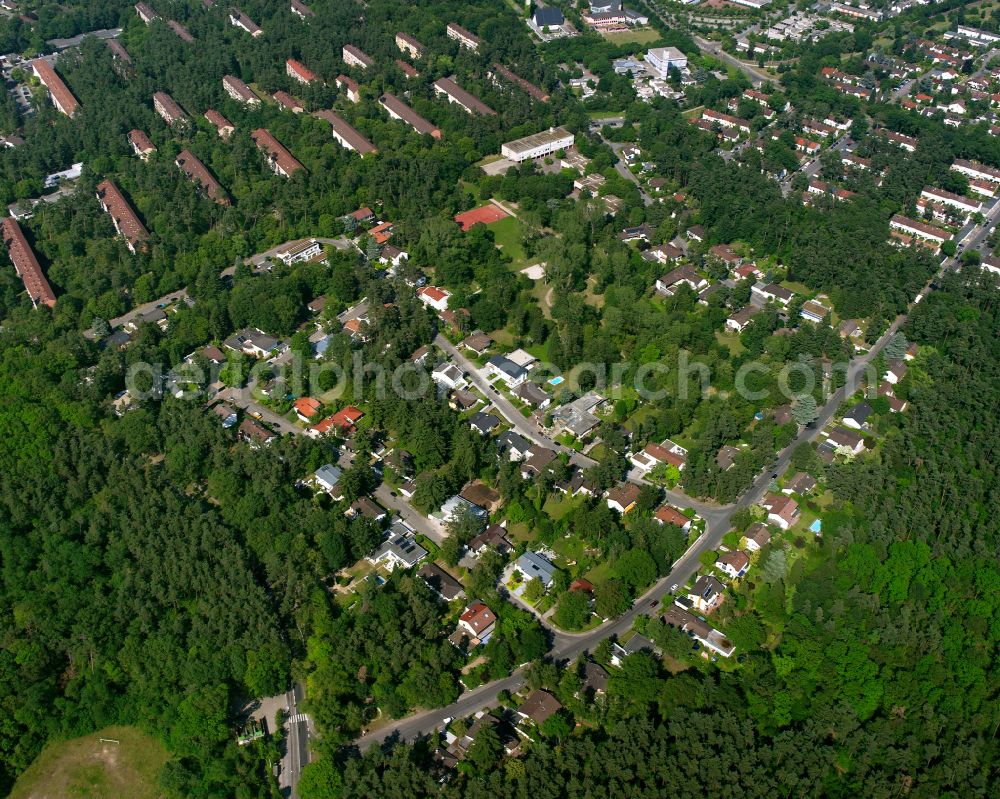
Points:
(346, 135)
(537, 145)
(397, 109)
(125, 220)
(26, 265)
(661, 59)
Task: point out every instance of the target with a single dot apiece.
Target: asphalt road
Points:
(297, 744)
(757, 77)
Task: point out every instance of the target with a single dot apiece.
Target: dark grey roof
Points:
(548, 16)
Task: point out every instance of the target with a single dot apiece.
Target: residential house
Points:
(895, 372)
(463, 401)
(483, 423)
(539, 707)
(637, 643)
(493, 537)
(141, 145)
(772, 292)
(739, 321)
(578, 417)
(734, 564)
(439, 581)
(478, 622)
(707, 593)
(514, 445)
(801, 484)
(668, 514)
(457, 505)
(702, 632)
(500, 367)
(448, 376)
(813, 311)
(226, 413)
(532, 394)
(682, 275)
(756, 537)
(477, 342)
(327, 478)
(350, 87)
(251, 341)
(367, 508)
(653, 455)
(725, 458)
(857, 417)
(539, 461)
(781, 510)
(849, 328)
(255, 434)
(434, 297)
(306, 408)
(536, 567)
(400, 549)
(843, 439)
(623, 497)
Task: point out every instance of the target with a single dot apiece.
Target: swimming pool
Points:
(816, 526)
(555, 381)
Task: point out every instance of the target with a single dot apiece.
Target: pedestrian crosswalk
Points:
(299, 717)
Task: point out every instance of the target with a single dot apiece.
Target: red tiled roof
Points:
(399, 109)
(530, 88)
(26, 265)
(307, 406)
(61, 95)
(300, 71)
(670, 515)
(433, 292)
(126, 220)
(140, 140)
(218, 120)
(347, 417)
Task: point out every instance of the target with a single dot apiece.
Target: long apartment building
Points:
(964, 204)
(456, 94)
(527, 86)
(346, 136)
(407, 44)
(26, 265)
(354, 57)
(462, 36)
(300, 72)
(223, 126)
(301, 10)
(168, 108)
(239, 91)
(976, 170)
(145, 12)
(198, 173)
(125, 220)
(240, 20)
(279, 159)
(141, 144)
(62, 97)
(920, 230)
(397, 109)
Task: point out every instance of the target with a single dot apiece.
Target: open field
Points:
(86, 768)
(639, 36)
(508, 235)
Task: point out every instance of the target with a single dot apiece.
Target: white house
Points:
(434, 297)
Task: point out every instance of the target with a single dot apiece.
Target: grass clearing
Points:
(639, 36)
(86, 768)
(731, 341)
(508, 234)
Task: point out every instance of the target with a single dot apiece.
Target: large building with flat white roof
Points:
(661, 59)
(537, 145)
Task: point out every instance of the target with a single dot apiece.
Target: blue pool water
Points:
(555, 381)
(816, 526)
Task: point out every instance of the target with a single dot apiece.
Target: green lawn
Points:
(558, 505)
(639, 36)
(731, 341)
(509, 236)
(86, 768)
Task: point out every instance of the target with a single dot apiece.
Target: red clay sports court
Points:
(485, 215)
